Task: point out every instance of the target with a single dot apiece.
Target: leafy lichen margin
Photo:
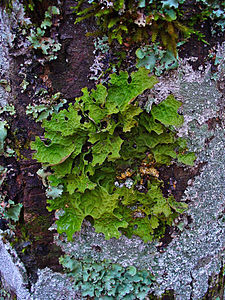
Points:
(106, 280)
(98, 139)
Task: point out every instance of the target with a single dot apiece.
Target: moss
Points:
(35, 226)
(19, 146)
(216, 286)
(39, 225)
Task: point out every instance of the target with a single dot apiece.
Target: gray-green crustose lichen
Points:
(194, 255)
(197, 252)
(53, 285)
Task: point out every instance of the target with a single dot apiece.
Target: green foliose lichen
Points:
(99, 143)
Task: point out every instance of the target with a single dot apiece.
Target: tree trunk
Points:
(188, 262)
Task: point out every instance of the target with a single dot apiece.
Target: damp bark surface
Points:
(68, 74)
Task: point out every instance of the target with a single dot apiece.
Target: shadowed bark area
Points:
(68, 74)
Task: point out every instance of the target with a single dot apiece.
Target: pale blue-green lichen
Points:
(105, 280)
(39, 40)
(197, 252)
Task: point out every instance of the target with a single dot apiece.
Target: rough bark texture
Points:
(189, 263)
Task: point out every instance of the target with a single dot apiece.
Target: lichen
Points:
(105, 133)
(53, 286)
(196, 253)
